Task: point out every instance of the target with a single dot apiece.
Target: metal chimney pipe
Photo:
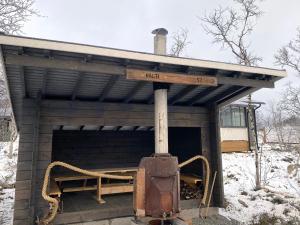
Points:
(161, 97)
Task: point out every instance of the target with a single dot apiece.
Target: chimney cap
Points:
(160, 31)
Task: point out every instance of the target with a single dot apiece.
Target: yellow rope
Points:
(200, 157)
(53, 202)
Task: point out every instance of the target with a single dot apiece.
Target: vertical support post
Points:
(216, 155)
(161, 97)
(161, 120)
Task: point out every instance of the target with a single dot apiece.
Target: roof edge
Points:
(133, 55)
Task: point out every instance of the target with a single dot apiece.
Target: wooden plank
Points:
(164, 77)
(246, 82)
(190, 179)
(235, 146)
(23, 60)
(108, 87)
(181, 94)
(54, 189)
(69, 106)
(134, 90)
(106, 189)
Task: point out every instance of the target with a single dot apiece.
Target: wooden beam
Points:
(135, 90)
(118, 128)
(52, 63)
(181, 94)
(166, 77)
(23, 81)
(108, 87)
(237, 97)
(202, 94)
(212, 94)
(80, 77)
(77, 113)
(245, 82)
(135, 128)
(227, 94)
(149, 128)
(150, 99)
(44, 83)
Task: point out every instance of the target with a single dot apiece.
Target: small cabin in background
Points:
(234, 128)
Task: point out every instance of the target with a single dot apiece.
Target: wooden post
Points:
(216, 155)
(160, 97)
(99, 197)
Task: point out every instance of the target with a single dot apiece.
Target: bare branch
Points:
(231, 28)
(290, 102)
(289, 55)
(180, 42)
(14, 14)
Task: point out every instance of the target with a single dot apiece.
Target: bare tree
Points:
(180, 42)
(290, 101)
(231, 28)
(289, 55)
(14, 14)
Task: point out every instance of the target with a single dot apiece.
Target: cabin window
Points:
(233, 116)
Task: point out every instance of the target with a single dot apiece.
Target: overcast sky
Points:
(127, 24)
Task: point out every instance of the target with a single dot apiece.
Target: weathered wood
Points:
(216, 156)
(134, 90)
(181, 94)
(190, 179)
(54, 189)
(202, 94)
(245, 82)
(108, 87)
(164, 77)
(77, 85)
(234, 146)
(23, 60)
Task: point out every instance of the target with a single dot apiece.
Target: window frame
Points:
(242, 117)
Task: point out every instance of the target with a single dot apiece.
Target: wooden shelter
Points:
(75, 103)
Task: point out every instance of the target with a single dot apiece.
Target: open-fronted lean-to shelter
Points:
(92, 107)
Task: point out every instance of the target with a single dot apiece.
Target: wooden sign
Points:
(163, 77)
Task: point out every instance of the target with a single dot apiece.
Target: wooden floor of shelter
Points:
(80, 207)
(82, 201)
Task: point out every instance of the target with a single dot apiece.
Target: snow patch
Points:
(280, 197)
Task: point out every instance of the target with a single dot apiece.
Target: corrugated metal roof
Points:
(30, 70)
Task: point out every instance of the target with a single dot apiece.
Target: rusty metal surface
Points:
(161, 186)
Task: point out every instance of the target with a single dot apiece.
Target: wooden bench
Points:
(102, 189)
(105, 189)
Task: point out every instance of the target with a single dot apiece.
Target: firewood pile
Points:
(189, 192)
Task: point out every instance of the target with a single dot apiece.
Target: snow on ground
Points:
(281, 196)
(8, 160)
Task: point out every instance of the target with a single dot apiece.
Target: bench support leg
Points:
(99, 198)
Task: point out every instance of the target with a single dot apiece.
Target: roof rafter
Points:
(135, 90)
(203, 93)
(80, 77)
(112, 80)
